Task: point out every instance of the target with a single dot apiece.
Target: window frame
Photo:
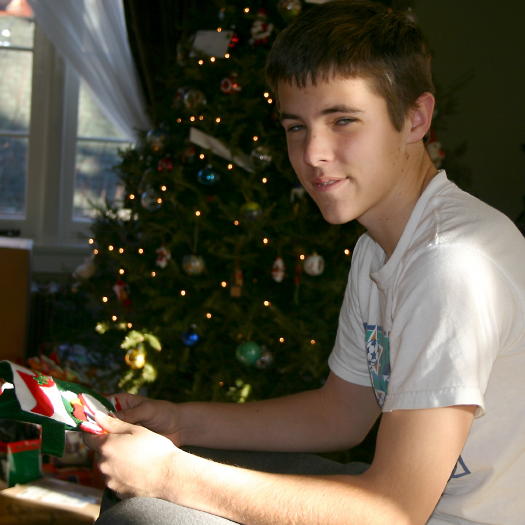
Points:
(59, 240)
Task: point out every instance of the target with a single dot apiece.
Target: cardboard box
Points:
(15, 276)
(48, 501)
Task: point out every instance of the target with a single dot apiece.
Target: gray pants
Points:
(152, 511)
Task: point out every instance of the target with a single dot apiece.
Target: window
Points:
(57, 149)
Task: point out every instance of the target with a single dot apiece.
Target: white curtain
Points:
(92, 36)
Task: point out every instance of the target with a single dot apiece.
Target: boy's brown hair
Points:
(350, 38)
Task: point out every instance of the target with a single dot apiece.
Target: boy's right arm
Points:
(336, 416)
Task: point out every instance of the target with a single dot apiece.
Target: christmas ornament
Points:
(248, 353)
(261, 157)
(297, 193)
(194, 98)
(121, 290)
(54, 404)
(156, 138)
(435, 149)
(191, 337)
(266, 359)
(314, 265)
(193, 264)
(278, 269)
(289, 8)
(189, 154)
(150, 200)
(207, 176)
(230, 84)
(261, 29)
(238, 281)
(234, 40)
(165, 164)
(163, 257)
(135, 358)
(251, 210)
(86, 269)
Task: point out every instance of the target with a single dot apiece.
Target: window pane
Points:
(91, 121)
(13, 155)
(15, 31)
(95, 179)
(15, 90)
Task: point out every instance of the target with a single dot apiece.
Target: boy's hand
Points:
(133, 460)
(160, 417)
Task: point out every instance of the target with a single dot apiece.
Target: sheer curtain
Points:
(92, 36)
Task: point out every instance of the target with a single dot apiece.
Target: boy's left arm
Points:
(415, 455)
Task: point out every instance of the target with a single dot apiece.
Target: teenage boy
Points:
(431, 332)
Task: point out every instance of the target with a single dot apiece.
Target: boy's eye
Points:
(344, 121)
(294, 128)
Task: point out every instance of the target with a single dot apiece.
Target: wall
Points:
(487, 39)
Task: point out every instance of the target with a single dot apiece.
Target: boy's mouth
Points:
(326, 184)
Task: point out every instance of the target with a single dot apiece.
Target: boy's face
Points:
(344, 148)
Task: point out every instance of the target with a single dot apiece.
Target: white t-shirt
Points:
(442, 323)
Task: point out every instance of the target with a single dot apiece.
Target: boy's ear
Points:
(420, 117)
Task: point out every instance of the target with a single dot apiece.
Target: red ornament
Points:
(165, 164)
(230, 84)
(234, 41)
(121, 290)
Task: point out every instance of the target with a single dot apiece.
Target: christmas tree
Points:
(216, 277)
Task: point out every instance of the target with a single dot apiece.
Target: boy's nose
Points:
(317, 150)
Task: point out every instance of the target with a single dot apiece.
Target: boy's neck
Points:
(386, 229)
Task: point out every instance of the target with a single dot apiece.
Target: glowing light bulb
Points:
(114, 318)
(255, 138)
(227, 55)
(121, 251)
(224, 284)
(236, 222)
(347, 252)
(302, 257)
(198, 213)
(267, 303)
(282, 339)
(266, 240)
(130, 325)
(313, 342)
(212, 59)
(140, 251)
(209, 315)
(91, 241)
(219, 30)
(200, 62)
(183, 293)
(122, 271)
(163, 188)
(154, 274)
(230, 166)
(111, 247)
(264, 180)
(202, 156)
(218, 120)
(131, 197)
(105, 299)
(95, 252)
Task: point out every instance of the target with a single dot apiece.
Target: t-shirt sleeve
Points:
(348, 357)
(450, 307)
